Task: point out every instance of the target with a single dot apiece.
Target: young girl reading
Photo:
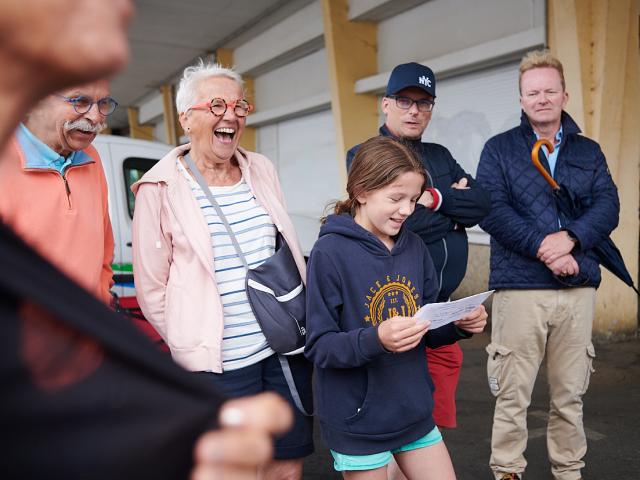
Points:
(366, 278)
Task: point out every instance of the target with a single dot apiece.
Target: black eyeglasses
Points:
(82, 104)
(405, 103)
(218, 107)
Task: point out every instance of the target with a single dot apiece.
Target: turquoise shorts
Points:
(376, 460)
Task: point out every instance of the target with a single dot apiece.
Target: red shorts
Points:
(444, 366)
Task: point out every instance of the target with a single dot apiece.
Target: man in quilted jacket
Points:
(543, 271)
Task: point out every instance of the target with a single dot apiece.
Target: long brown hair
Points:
(378, 162)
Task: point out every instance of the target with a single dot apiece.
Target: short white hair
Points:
(186, 93)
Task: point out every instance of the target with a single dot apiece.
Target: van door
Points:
(125, 162)
(130, 160)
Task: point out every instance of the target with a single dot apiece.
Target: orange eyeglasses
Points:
(218, 107)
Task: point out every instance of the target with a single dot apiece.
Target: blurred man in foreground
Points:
(68, 366)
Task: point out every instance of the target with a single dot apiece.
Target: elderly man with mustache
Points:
(54, 192)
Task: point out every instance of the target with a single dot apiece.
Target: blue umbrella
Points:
(569, 206)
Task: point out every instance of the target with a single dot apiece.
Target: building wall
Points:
(292, 82)
(303, 150)
(474, 48)
(477, 278)
(440, 27)
(473, 107)
(474, 101)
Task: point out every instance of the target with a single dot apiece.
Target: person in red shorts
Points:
(444, 367)
(454, 201)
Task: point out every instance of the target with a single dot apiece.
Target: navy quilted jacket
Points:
(523, 210)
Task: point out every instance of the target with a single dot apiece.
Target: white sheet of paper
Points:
(443, 313)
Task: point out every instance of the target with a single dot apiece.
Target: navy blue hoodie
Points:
(443, 231)
(369, 400)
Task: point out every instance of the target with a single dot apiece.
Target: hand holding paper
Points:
(473, 322)
(440, 314)
(400, 334)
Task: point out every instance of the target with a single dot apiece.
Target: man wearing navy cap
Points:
(453, 202)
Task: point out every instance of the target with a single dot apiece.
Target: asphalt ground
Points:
(611, 419)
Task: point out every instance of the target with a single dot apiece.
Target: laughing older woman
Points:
(190, 281)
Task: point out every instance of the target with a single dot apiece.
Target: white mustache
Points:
(84, 125)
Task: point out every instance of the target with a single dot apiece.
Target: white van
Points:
(125, 160)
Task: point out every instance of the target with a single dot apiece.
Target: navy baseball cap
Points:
(411, 75)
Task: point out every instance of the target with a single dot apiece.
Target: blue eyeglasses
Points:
(82, 104)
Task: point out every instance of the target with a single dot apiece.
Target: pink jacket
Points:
(173, 261)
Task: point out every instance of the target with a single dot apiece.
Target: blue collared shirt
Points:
(553, 157)
(40, 155)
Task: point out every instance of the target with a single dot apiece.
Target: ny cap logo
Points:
(424, 81)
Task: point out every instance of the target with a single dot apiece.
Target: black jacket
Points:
(84, 394)
(443, 231)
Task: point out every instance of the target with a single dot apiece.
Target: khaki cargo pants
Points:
(526, 325)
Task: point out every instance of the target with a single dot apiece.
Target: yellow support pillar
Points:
(172, 127)
(597, 42)
(142, 132)
(351, 53)
(563, 20)
(249, 140)
(224, 57)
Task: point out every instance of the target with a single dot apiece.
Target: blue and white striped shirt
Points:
(243, 342)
